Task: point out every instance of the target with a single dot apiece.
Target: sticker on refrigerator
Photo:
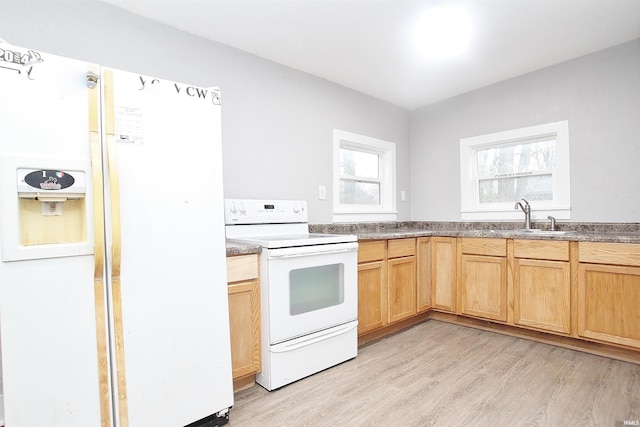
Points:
(129, 126)
(49, 179)
(42, 183)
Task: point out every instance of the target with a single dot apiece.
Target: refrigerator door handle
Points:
(116, 290)
(114, 175)
(95, 149)
(96, 175)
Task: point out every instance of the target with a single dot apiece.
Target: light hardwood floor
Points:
(440, 374)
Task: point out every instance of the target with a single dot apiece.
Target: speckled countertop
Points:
(581, 232)
(234, 249)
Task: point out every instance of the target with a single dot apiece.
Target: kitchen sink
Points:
(544, 232)
(535, 231)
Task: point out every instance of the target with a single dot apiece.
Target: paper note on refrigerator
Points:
(129, 126)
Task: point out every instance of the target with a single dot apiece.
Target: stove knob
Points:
(233, 209)
(296, 209)
(242, 209)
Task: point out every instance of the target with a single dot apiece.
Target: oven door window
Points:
(315, 288)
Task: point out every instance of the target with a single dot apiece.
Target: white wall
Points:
(277, 122)
(600, 96)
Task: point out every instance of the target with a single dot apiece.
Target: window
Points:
(498, 169)
(363, 178)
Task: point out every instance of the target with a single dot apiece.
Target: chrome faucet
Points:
(527, 212)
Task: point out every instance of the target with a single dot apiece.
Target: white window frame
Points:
(386, 210)
(559, 207)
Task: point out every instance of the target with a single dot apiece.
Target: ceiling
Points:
(368, 45)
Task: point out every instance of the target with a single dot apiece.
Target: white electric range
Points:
(309, 288)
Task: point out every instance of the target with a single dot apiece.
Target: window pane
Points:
(533, 156)
(532, 188)
(358, 163)
(359, 193)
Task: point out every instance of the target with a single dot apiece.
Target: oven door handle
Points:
(301, 342)
(312, 250)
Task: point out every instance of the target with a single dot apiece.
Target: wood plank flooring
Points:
(440, 374)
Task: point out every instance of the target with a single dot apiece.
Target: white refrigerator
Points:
(113, 296)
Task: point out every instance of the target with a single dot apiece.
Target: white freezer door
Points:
(47, 314)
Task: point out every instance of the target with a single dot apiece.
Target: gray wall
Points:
(599, 94)
(277, 122)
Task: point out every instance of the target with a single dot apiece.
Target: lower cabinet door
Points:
(402, 288)
(423, 271)
(609, 303)
(484, 287)
(542, 295)
(443, 273)
(372, 296)
(244, 322)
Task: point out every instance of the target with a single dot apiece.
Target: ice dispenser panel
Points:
(46, 214)
(52, 206)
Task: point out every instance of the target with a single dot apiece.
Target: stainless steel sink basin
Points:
(534, 231)
(544, 232)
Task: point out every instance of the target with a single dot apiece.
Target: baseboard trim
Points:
(243, 383)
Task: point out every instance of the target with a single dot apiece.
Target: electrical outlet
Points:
(403, 196)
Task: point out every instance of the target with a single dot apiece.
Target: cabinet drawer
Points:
(609, 253)
(402, 247)
(243, 267)
(371, 251)
(541, 249)
(481, 246)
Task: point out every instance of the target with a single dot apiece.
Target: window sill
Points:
(516, 215)
(364, 217)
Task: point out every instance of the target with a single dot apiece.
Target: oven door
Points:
(310, 288)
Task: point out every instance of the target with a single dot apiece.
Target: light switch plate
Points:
(322, 192)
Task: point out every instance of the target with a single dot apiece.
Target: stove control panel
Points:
(254, 211)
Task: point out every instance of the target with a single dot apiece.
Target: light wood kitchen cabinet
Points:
(372, 286)
(562, 292)
(542, 285)
(483, 278)
(423, 274)
(609, 292)
(244, 314)
(444, 273)
(401, 267)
